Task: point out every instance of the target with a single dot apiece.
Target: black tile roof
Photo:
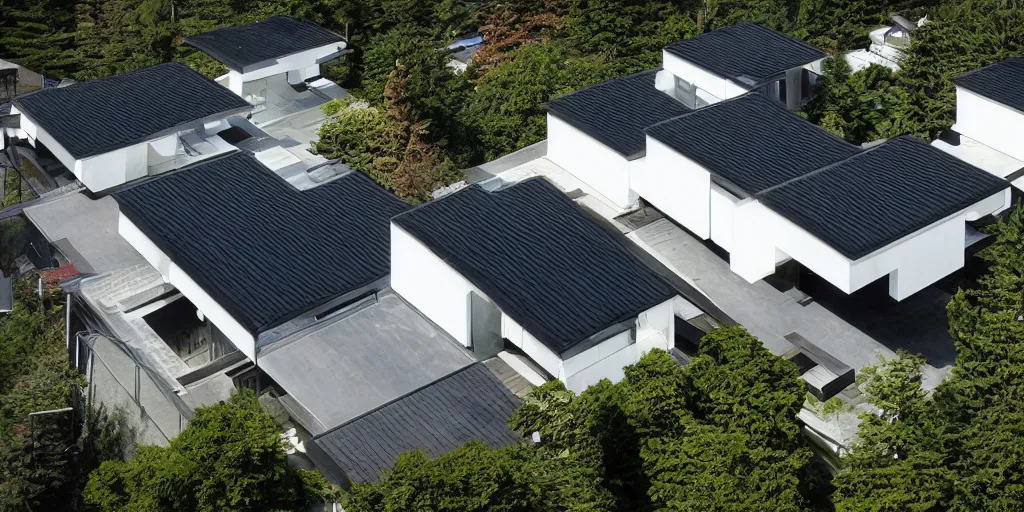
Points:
(1002, 82)
(751, 143)
(882, 194)
(98, 116)
(262, 249)
(540, 258)
(245, 45)
(745, 52)
(617, 111)
(469, 405)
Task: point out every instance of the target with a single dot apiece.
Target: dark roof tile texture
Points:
(751, 143)
(245, 45)
(262, 249)
(102, 115)
(882, 194)
(1002, 82)
(540, 258)
(470, 405)
(617, 111)
(745, 51)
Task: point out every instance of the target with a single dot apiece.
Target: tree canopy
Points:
(229, 457)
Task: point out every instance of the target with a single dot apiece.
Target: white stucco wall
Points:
(723, 204)
(430, 285)
(912, 263)
(717, 86)
(655, 328)
(177, 278)
(299, 67)
(995, 125)
(296, 61)
(592, 162)
(676, 185)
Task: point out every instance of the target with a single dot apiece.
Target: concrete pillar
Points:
(794, 83)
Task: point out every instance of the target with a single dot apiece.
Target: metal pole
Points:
(67, 324)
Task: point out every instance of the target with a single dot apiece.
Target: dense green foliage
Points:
(718, 434)
(920, 99)
(960, 449)
(35, 473)
(474, 478)
(230, 457)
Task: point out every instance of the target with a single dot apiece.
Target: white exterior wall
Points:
(723, 204)
(303, 60)
(717, 86)
(531, 346)
(592, 162)
(676, 185)
(103, 171)
(655, 328)
(912, 263)
(177, 278)
(993, 124)
(430, 284)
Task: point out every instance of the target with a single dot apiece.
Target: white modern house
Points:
(597, 133)
(525, 266)
(767, 187)
(252, 260)
(114, 130)
(266, 57)
(990, 106)
(734, 60)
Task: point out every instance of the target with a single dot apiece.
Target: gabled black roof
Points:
(540, 258)
(1002, 82)
(746, 52)
(751, 143)
(469, 405)
(98, 116)
(617, 111)
(245, 45)
(262, 249)
(882, 194)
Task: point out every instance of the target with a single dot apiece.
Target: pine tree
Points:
(38, 34)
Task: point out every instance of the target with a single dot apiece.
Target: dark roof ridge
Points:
(147, 179)
(826, 168)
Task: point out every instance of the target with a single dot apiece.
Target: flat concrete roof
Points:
(89, 228)
(360, 361)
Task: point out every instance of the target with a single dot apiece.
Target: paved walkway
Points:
(855, 329)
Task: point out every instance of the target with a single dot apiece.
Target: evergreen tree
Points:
(38, 34)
